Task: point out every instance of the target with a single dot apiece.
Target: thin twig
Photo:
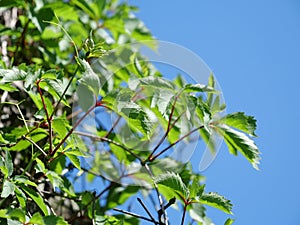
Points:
(47, 115)
(168, 128)
(113, 126)
(171, 202)
(35, 144)
(147, 211)
(176, 142)
(71, 131)
(105, 139)
(65, 91)
(135, 215)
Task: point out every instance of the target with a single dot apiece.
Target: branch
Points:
(183, 215)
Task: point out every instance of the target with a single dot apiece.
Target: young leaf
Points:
(173, 182)
(217, 201)
(241, 122)
(238, 141)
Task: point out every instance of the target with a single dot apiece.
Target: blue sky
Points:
(253, 48)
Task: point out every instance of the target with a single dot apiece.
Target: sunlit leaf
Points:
(229, 221)
(173, 182)
(217, 201)
(241, 122)
(239, 142)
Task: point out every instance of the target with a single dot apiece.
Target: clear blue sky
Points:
(253, 48)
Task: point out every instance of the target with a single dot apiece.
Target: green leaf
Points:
(8, 87)
(11, 3)
(238, 141)
(13, 222)
(82, 4)
(195, 188)
(54, 220)
(17, 214)
(198, 88)
(10, 75)
(21, 197)
(35, 196)
(38, 219)
(24, 180)
(157, 82)
(197, 212)
(90, 78)
(217, 201)
(24, 144)
(9, 164)
(229, 221)
(173, 182)
(8, 189)
(241, 122)
(74, 159)
(60, 126)
(119, 195)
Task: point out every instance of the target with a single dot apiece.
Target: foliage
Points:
(52, 50)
